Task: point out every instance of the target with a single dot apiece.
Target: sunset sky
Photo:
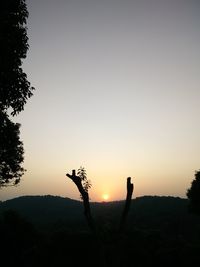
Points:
(117, 92)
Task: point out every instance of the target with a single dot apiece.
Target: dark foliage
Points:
(14, 86)
(18, 239)
(11, 151)
(15, 89)
(85, 182)
(193, 194)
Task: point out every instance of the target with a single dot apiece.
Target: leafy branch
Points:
(85, 182)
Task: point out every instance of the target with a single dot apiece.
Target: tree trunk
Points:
(127, 204)
(87, 212)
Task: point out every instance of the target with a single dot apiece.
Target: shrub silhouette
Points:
(193, 194)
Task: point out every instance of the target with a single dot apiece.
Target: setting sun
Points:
(105, 197)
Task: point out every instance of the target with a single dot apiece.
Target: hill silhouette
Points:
(52, 231)
(44, 208)
(146, 212)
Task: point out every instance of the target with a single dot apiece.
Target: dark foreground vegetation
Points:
(52, 231)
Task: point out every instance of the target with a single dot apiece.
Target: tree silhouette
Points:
(11, 151)
(14, 86)
(15, 89)
(83, 185)
(193, 194)
(130, 188)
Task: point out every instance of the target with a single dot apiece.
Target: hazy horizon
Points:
(100, 201)
(117, 92)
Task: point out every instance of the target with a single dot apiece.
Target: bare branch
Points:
(130, 188)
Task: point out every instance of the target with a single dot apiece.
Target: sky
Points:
(117, 92)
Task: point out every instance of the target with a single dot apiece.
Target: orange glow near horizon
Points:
(105, 196)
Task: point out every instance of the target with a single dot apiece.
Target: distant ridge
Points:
(52, 209)
(45, 209)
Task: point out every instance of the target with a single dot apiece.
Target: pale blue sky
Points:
(117, 91)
